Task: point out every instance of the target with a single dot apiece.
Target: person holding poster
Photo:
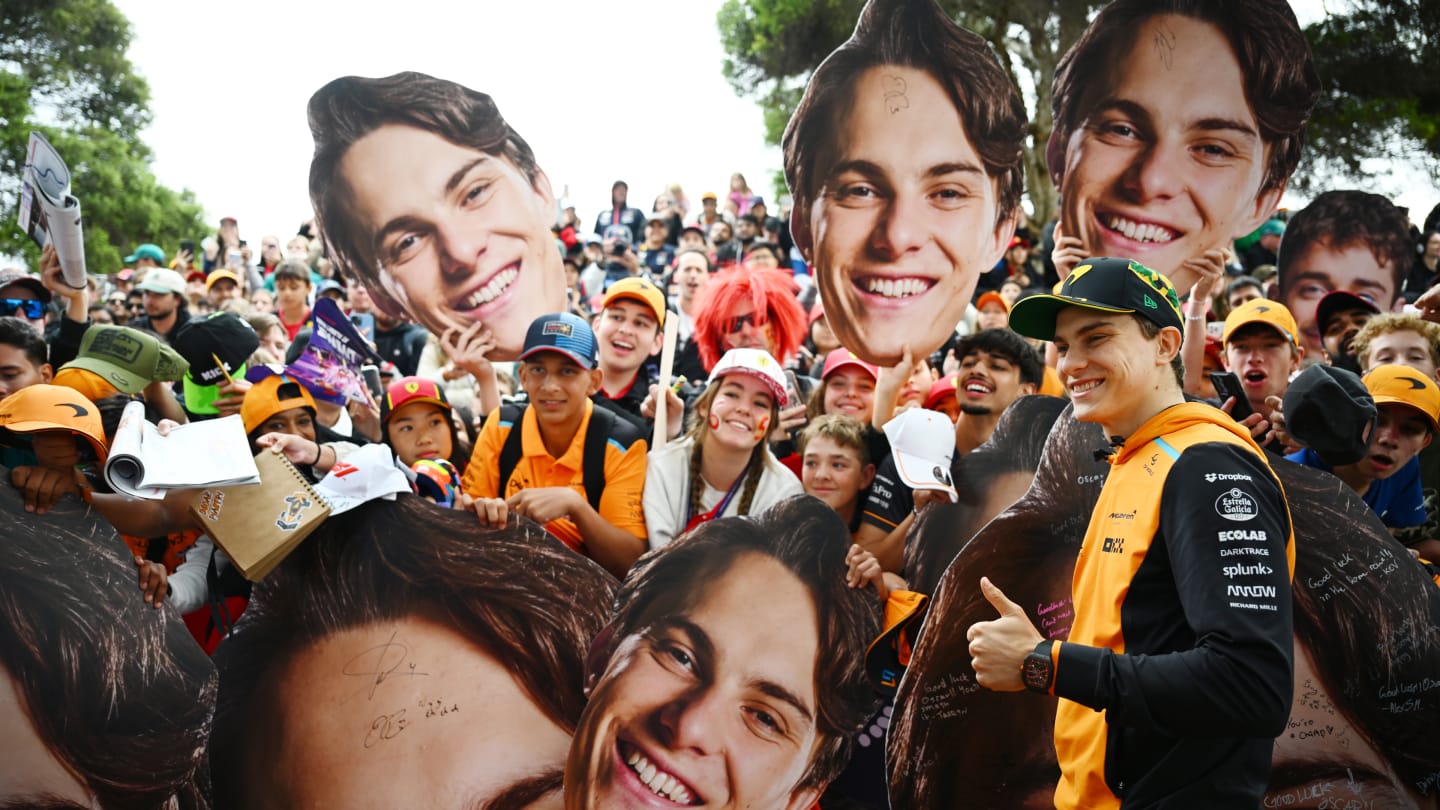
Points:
(1177, 673)
(905, 160)
(1177, 125)
(701, 694)
(426, 195)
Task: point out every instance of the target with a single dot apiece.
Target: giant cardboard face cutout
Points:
(427, 196)
(904, 159)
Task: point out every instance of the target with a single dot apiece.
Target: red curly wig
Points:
(772, 294)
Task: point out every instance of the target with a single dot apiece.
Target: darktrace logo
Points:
(1236, 504)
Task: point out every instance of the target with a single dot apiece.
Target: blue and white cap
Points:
(562, 332)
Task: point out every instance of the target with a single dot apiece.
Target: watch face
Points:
(1036, 672)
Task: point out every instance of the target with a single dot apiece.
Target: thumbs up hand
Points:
(998, 647)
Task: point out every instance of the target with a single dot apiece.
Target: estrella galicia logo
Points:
(1236, 504)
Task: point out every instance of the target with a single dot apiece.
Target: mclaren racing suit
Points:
(1177, 674)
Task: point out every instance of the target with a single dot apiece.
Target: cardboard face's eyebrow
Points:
(404, 222)
(1377, 788)
(872, 170)
(1210, 123)
(784, 695)
(522, 793)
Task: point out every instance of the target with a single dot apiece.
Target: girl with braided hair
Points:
(723, 466)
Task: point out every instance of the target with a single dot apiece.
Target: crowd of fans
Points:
(763, 402)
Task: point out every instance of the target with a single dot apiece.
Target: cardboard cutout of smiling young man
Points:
(905, 161)
(1177, 125)
(699, 696)
(428, 197)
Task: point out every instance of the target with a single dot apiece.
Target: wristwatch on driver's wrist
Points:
(1037, 671)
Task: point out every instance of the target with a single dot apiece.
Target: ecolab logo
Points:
(1257, 569)
(1243, 535)
(1236, 505)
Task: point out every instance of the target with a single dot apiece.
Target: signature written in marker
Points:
(388, 726)
(382, 662)
(385, 727)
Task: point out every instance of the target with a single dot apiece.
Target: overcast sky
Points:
(629, 89)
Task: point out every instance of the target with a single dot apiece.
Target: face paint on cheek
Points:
(714, 422)
(762, 428)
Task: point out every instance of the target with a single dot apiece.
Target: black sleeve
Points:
(1224, 527)
(889, 501)
(66, 346)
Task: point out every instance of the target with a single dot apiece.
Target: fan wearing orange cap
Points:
(63, 431)
(1263, 349)
(1407, 405)
(992, 312)
(279, 414)
(627, 335)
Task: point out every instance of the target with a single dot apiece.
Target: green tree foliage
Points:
(1379, 64)
(64, 72)
(772, 46)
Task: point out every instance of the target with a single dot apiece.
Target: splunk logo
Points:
(1236, 504)
(1255, 570)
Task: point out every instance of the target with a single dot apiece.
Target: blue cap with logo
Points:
(562, 332)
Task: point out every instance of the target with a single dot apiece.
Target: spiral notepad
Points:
(258, 525)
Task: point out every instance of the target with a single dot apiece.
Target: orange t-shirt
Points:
(624, 473)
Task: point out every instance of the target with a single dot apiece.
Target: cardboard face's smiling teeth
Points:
(661, 783)
(1147, 232)
(499, 284)
(897, 287)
